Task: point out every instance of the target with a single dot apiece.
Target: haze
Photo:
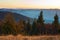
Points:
(33, 4)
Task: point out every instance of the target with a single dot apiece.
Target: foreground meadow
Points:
(20, 37)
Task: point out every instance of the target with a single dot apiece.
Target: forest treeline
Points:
(10, 27)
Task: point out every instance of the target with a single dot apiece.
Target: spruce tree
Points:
(40, 18)
(40, 21)
(56, 23)
(28, 28)
(35, 30)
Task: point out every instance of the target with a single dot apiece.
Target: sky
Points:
(33, 4)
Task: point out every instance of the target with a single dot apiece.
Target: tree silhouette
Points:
(56, 23)
(35, 30)
(40, 18)
(41, 23)
(28, 28)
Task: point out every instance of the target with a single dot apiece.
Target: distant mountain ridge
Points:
(16, 16)
(48, 14)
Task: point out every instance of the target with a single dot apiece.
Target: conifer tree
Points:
(40, 21)
(28, 28)
(56, 23)
(40, 18)
(35, 30)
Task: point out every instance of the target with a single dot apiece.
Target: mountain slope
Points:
(16, 16)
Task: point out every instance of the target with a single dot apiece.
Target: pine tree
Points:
(56, 23)
(35, 30)
(40, 18)
(28, 28)
(41, 23)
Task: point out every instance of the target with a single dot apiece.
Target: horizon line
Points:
(30, 8)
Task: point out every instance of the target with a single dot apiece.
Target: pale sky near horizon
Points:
(35, 4)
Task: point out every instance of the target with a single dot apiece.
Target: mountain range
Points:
(48, 14)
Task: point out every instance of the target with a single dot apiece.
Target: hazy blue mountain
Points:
(16, 16)
(34, 13)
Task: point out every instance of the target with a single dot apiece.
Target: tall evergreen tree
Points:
(56, 23)
(40, 18)
(35, 30)
(28, 28)
(41, 23)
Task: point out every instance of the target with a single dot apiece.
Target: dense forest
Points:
(8, 26)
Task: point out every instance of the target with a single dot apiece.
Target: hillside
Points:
(16, 16)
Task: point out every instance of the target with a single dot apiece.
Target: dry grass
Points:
(20, 37)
